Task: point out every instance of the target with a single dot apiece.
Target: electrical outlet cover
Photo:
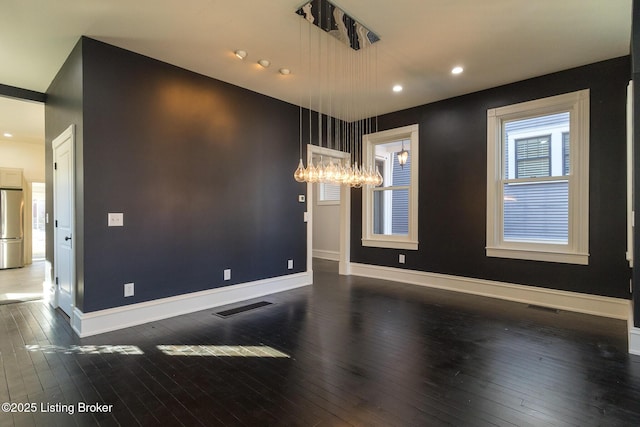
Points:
(128, 289)
(115, 219)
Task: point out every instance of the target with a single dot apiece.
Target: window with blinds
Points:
(537, 179)
(328, 193)
(533, 157)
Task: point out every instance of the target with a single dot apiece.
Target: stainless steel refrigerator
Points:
(11, 228)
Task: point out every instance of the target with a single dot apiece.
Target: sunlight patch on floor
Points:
(87, 349)
(16, 296)
(221, 351)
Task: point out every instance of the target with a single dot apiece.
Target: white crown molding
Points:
(615, 308)
(98, 322)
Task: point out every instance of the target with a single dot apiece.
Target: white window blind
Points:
(328, 192)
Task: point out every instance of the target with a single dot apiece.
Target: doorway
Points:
(344, 225)
(38, 217)
(22, 147)
(26, 283)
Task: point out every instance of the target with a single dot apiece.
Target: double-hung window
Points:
(538, 179)
(390, 211)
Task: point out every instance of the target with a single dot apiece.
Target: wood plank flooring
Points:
(346, 351)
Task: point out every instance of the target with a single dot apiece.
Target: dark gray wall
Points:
(635, 55)
(452, 192)
(202, 170)
(63, 108)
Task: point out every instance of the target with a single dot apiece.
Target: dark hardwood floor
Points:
(345, 351)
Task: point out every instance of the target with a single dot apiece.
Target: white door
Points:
(63, 216)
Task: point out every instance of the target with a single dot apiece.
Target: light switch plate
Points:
(128, 290)
(115, 220)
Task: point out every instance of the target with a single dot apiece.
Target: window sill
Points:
(535, 255)
(392, 244)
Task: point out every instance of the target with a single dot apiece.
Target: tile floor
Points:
(22, 284)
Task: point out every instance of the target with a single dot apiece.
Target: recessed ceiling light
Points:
(397, 88)
(285, 71)
(457, 70)
(241, 54)
(8, 135)
(264, 62)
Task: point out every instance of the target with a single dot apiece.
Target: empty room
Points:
(322, 213)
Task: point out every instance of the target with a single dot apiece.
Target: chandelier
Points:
(334, 173)
(357, 72)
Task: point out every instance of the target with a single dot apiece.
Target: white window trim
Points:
(576, 251)
(409, 241)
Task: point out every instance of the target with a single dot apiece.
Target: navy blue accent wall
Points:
(62, 109)
(202, 170)
(635, 69)
(452, 186)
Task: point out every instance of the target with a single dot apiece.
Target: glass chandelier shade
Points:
(333, 173)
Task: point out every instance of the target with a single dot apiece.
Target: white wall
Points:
(26, 156)
(326, 229)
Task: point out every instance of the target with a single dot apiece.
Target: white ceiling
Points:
(24, 120)
(496, 41)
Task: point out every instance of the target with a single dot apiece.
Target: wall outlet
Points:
(401, 258)
(115, 220)
(128, 289)
(290, 264)
(227, 274)
(301, 198)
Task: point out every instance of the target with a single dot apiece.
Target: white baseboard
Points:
(634, 334)
(634, 341)
(330, 255)
(98, 322)
(616, 308)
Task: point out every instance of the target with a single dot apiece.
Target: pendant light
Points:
(403, 156)
(357, 70)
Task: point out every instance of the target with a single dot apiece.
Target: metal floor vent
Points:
(543, 308)
(242, 309)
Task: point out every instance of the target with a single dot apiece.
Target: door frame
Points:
(344, 266)
(68, 133)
